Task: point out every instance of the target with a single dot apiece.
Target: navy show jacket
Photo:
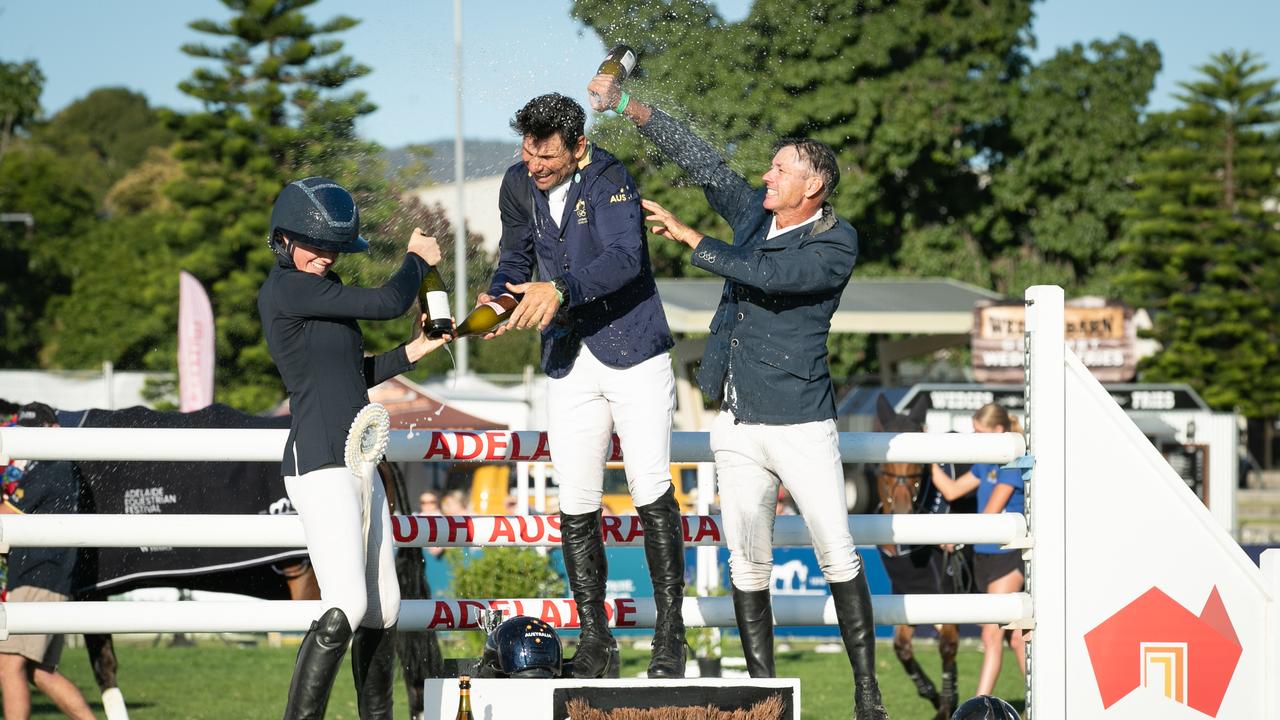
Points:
(600, 251)
(769, 333)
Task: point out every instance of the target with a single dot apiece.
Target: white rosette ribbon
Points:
(367, 442)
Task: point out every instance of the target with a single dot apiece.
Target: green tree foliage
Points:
(943, 129)
(1078, 133)
(1203, 246)
(109, 131)
(37, 181)
(20, 88)
(275, 109)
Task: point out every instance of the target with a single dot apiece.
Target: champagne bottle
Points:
(487, 316)
(464, 699)
(433, 300)
(619, 63)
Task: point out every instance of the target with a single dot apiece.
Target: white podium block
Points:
(546, 699)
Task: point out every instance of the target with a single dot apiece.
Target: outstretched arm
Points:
(953, 488)
(816, 264)
(727, 191)
(307, 295)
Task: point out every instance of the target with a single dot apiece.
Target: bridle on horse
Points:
(893, 476)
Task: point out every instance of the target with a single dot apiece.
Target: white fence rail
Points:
(285, 531)
(266, 615)
(172, 444)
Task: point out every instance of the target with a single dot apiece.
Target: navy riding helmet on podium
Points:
(522, 647)
(985, 707)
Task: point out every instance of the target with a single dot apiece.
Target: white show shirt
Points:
(774, 230)
(556, 198)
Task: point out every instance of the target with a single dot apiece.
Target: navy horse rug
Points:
(183, 488)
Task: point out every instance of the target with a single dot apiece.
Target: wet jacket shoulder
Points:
(769, 333)
(312, 332)
(599, 250)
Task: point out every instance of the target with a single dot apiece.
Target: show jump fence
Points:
(1110, 533)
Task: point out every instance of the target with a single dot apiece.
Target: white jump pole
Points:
(190, 445)
(1270, 563)
(285, 531)
(1047, 503)
(294, 616)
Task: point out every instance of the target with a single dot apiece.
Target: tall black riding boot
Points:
(373, 666)
(754, 612)
(853, 610)
(585, 563)
(664, 551)
(318, 659)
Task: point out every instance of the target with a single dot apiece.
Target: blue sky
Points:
(515, 49)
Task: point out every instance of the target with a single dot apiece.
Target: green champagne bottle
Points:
(488, 316)
(433, 300)
(619, 63)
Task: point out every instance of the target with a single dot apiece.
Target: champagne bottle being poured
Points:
(487, 316)
(619, 63)
(433, 300)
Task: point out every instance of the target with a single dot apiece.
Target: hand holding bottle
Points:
(420, 344)
(604, 91)
(425, 247)
(618, 65)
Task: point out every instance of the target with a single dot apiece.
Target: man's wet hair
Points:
(551, 114)
(820, 158)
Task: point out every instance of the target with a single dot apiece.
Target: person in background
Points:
(995, 570)
(40, 575)
(429, 504)
(454, 504)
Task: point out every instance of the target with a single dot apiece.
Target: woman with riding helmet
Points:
(310, 319)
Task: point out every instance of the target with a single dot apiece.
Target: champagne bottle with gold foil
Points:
(620, 62)
(488, 316)
(433, 300)
(464, 699)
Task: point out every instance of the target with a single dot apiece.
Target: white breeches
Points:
(355, 573)
(751, 459)
(592, 402)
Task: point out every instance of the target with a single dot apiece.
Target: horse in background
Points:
(906, 488)
(191, 487)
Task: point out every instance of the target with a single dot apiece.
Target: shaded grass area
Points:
(216, 681)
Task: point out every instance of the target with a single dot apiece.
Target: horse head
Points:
(899, 484)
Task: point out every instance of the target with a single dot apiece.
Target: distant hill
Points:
(483, 158)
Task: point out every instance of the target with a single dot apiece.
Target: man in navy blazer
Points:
(572, 210)
(766, 362)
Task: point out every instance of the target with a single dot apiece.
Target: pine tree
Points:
(276, 108)
(1203, 245)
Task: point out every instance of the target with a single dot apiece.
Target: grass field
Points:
(219, 681)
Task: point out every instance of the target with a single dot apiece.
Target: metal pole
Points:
(460, 301)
